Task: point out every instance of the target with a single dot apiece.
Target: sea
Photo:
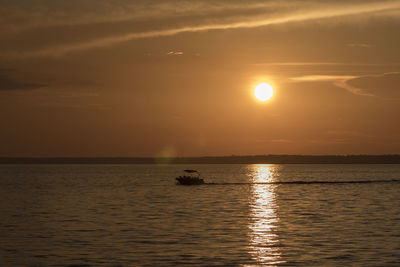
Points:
(244, 215)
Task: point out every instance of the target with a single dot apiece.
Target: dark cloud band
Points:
(8, 83)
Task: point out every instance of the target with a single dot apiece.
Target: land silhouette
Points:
(255, 159)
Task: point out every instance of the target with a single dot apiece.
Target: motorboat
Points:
(191, 177)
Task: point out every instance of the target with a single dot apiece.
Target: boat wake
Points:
(314, 182)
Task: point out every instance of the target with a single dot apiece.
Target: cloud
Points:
(337, 80)
(328, 64)
(8, 83)
(284, 141)
(192, 16)
(48, 13)
(174, 53)
(322, 78)
(385, 85)
(346, 133)
(359, 45)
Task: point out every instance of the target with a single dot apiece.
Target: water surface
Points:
(135, 215)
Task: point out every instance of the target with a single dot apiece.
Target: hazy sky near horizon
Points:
(176, 77)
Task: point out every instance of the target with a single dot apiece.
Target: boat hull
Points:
(185, 180)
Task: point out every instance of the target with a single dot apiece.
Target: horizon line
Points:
(182, 157)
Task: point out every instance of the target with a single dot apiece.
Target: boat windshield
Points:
(190, 171)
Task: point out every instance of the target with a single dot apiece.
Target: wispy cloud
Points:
(284, 141)
(386, 85)
(49, 13)
(337, 80)
(310, 10)
(349, 64)
(359, 45)
(175, 53)
(346, 133)
(8, 82)
(322, 78)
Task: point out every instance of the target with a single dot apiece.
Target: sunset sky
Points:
(149, 78)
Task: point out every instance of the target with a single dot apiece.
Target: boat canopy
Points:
(190, 171)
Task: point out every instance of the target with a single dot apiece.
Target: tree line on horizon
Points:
(255, 159)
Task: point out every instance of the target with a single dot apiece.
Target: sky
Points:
(122, 78)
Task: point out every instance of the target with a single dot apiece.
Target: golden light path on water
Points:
(264, 242)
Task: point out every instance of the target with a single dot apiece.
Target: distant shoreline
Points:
(256, 159)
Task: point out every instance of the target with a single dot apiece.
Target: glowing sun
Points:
(263, 91)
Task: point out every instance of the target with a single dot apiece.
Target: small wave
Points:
(314, 182)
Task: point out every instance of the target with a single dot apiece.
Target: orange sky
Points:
(146, 78)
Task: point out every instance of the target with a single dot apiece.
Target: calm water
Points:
(135, 215)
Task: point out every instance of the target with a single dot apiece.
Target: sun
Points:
(263, 91)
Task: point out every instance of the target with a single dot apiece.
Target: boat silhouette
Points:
(191, 177)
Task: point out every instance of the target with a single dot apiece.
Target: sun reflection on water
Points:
(264, 242)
